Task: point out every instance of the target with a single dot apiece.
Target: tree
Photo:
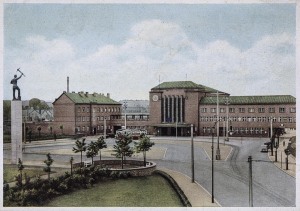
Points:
(50, 128)
(92, 151)
(34, 102)
(143, 145)
(122, 147)
(101, 144)
(39, 129)
(20, 169)
(6, 110)
(48, 163)
(62, 129)
(80, 147)
(71, 162)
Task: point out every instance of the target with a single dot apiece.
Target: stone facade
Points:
(16, 131)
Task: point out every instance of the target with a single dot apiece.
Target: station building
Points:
(87, 113)
(175, 105)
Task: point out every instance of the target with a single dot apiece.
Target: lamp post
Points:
(227, 118)
(104, 127)
(192, 154)
(218, 155)
(212, 163)
(125, 107)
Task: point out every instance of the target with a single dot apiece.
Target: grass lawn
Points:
(151, 191)
(10, 171)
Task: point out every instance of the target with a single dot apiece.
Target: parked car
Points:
(264, 150)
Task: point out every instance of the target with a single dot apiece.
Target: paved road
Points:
(271, 186)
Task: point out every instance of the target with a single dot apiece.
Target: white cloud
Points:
(155, 48)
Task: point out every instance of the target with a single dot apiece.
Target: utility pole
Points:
(218, 155)
(250, 182)
(227, 117)
(212, 166)
(192, 154)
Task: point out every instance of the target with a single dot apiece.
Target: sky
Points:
(126, 49)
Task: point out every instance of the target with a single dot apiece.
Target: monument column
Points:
(16, 131)
(16, 120)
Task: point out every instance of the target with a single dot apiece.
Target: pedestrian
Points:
(54, 136)
(283, 143)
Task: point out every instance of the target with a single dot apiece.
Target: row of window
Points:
(87, 128)
(238, 130)
(250, 110)
(248, 119)
(99, 109)
(113, 117)
(108, 127)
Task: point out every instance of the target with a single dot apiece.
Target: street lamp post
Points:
(212, 163)
(104, 127)
(227, 118)
(218, 155)
(250, 182)
(125, 107)
(192, 154)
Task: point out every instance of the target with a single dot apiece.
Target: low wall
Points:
(141, 170)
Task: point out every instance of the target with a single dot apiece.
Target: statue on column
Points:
(14, 82)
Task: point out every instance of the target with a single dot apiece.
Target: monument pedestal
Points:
(16, 131)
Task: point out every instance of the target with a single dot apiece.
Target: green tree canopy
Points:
(143, 145)
(101, 144)
(122, 147)
(80, 147)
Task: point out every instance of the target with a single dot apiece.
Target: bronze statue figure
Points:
(14, 81)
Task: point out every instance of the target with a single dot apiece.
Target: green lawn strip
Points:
(10, 171)
(151, 191)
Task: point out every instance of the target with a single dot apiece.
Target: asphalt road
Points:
(271, 186)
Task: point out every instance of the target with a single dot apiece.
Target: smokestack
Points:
(108, 95)
(68, 84)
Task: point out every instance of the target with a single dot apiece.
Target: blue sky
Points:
(243, 49)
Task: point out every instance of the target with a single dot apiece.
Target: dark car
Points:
(268, 143)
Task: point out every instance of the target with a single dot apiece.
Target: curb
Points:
(176, 187)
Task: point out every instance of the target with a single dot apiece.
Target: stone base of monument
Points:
(16, 131)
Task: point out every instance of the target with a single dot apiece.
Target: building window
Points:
(222, 110)
(105, 109)
(293, 110)
(231, 110)
(108, 109)
(251, 110)
(259, 119)
(264, 119)
(83, 108)
(242, 110)
(101, 109)
(79, 109)
(87, 109)
(83, 128)
(213, 110)
(290, 119)
(272, 110)
(261, 110)
(281, 110)
(83, 118)
(203, 110)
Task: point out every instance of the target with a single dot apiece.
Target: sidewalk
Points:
(281, 157)
(196, 194)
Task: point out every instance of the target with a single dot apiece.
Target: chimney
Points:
(108, 95)
(68, 84)
(86, 94)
